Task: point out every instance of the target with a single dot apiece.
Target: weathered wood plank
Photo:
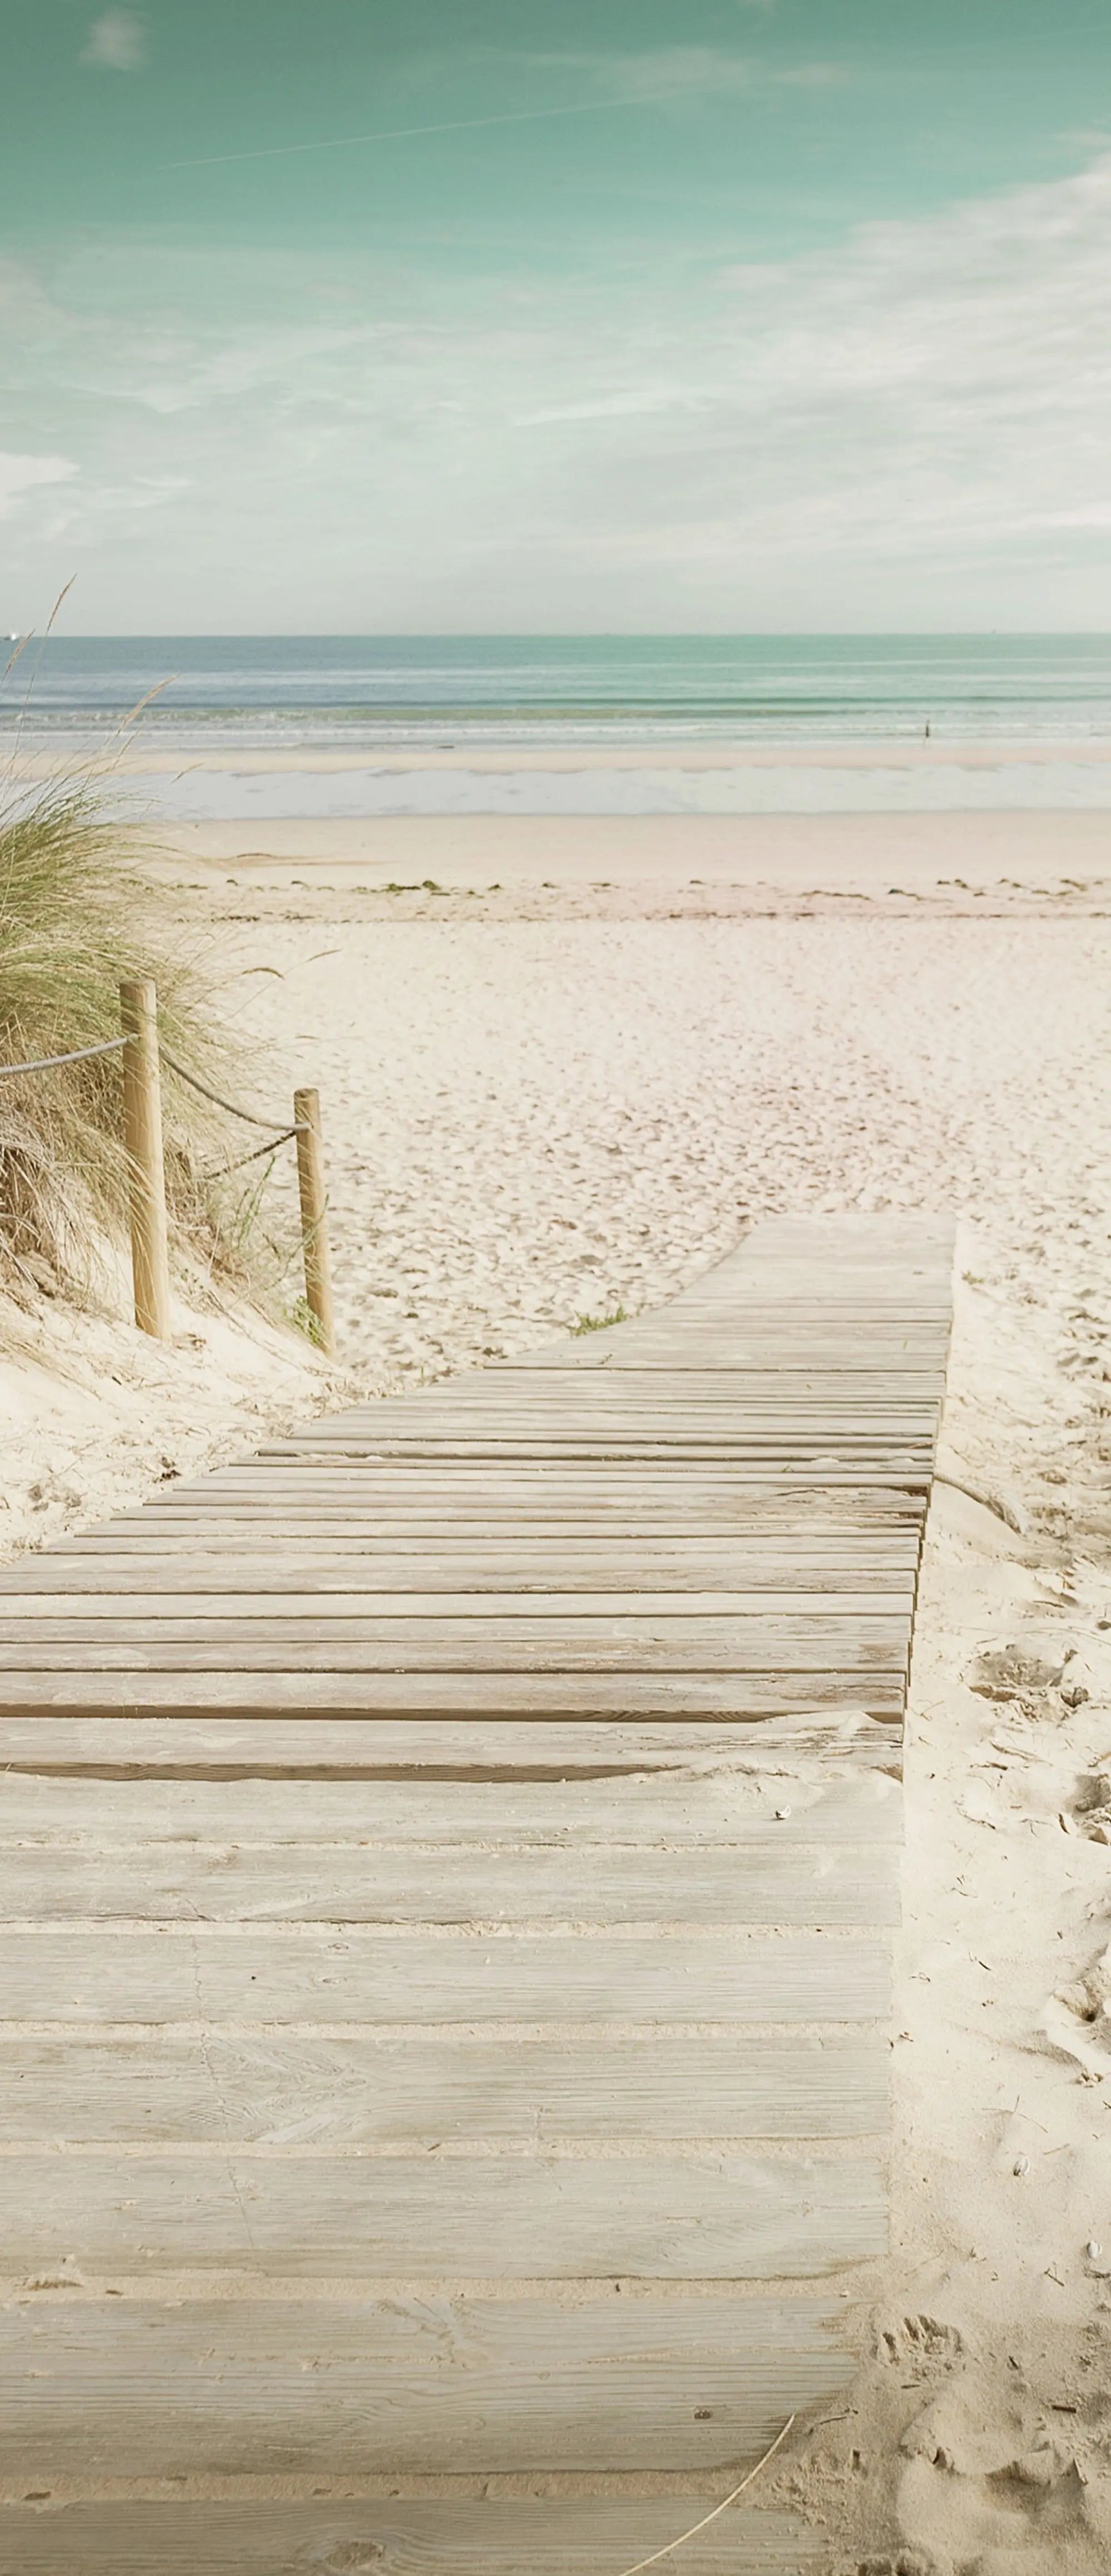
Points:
(72, 1617)
(472, 1574)
(452, 1509)
(601, 1405)
(357, 1536)
(883, 1519)
(355, 1975)
(674, 1811)
(418, 2092)
(552, 2536)
(528, 1642)
(491, 1468)
(728, 2216)
(466, 1515)
(724, 1441)
(825, 1744)
(460, 1520)
(786, 1883)
(404, 2385)
(652, 1406)
(908, 1469)
(911, 1345)
(626, 1697)
(742, 1392)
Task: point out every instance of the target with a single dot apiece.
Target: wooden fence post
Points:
(142, 1137)
(314, 1215)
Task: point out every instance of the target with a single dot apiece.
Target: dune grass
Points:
(77, 916)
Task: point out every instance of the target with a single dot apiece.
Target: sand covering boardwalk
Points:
(449, 1863)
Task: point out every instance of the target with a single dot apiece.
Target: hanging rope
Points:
(217, 1099)
(255, 1155)
(77, 1055)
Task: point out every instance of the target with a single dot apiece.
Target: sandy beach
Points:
(561, 1095)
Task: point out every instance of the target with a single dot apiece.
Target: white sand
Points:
(533, 1118)
(622, 867)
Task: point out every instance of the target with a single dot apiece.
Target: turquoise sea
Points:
(820, 723)
(326, 690)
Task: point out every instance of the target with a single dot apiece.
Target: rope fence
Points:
(183, 1074)
(221, 1170)
(143, 1058)
(299, 1127)
(77, 1055)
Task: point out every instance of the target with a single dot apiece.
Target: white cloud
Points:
(20, 474)
(811, 76)
(911, 428)
(666, 71)
(677, 68)
(117, 42)
(654, 74)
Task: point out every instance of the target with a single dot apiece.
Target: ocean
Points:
(325, 690)
(231, 700)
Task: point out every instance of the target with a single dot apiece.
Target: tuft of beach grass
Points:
(79, 915)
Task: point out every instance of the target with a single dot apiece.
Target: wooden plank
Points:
(798, 1380)
(467, 1517)
(552, 2536)
(717, 1404)
(418, 2092)
(91, 1976)
(419, 1695)
(405, 2385)
(822, 1745)
(716, 1391)
(410, 1472)
(494, 1458)
(528, 1642)
(880, 1354)
(826, 1516)
(404, 1493)
(499, 1453)
(267, 1538)
(718, 1400)
(564, 1422)
(676, 1429)
(66, 1612)
(470, 1509)
(672, 1811)
(725, 2216)
(521, 1573)
(784, 1541)
(735, 1390)
(784, 1883)
(499, 1460)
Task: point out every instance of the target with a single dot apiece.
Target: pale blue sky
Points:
(761, 313)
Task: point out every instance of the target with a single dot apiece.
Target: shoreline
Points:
(253, 759)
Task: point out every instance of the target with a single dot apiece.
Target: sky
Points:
(381, 316)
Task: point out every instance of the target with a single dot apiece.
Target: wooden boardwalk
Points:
(449, 1865)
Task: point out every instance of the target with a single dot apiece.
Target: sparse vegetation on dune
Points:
(77, 916)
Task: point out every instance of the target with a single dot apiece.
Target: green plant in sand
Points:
(598, 1323)
(303, 1320)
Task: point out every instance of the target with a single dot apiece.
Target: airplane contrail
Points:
(454, 125)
